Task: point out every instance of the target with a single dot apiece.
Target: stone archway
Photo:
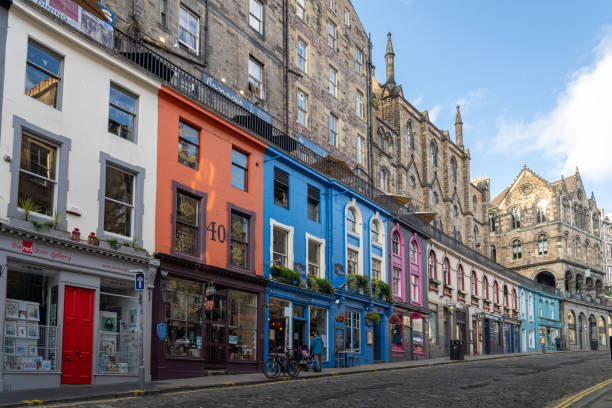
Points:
(570, 284)
(592, 333)
(581, 320)
(579, 285)
(546, 278)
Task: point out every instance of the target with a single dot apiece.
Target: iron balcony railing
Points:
(135, 52)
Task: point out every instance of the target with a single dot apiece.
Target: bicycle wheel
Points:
(272, 368)
(293, 368)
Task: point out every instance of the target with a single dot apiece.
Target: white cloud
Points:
(472, 100)
(578, 130)
(434, 113)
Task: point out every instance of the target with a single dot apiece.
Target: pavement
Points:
(75, 393)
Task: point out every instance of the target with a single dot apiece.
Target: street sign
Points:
(140, 281)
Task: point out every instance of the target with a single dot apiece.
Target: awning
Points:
(427, 216)
(93, 7)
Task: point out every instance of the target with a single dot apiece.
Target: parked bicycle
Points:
(281, 363)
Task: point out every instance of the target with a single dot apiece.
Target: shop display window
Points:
(318, 322)
(279, 312)
(242, 325)
(183, 305)
(353, 331)
(30, 341)
(495, 333)
(397, 333)
(417, 337)
(119, 329)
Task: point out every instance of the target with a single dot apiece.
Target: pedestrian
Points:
(316, 349)
(558, 343)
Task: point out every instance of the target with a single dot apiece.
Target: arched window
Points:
(496, 292)
(474, 284)
(460, 278)
(493, 253)
(453, 169)
(542, 245)
(433, 267)
(414, 258)
(493, 222)
(395, 243)
(474, 202)
(571, 327)
(446, 271)
(375, 236)
(485, 287)
(541, 212)
(380, 139)
(516, 249)
(412, 182)
(409, 135)
(455, 232)
(455, 210)
(530, 307)
(522, 301)
(433, 151)
(540, 308)
(506, 303)
(351, 221)
(515, 215)
(384, 179)
(475, 235)
(601, 326)
(459, 237)
(436, 200)
(386, 143)
(514, 299)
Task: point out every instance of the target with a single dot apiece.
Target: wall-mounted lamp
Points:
(223, 80)
(337, 301)
(162, 39)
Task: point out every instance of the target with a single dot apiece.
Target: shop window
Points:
(571, 327)
(43, 75)
(278, 326)
(30, 326)
(353, 330)
(397, 333)
(242, 331)
(189, 146)
(239, 251)
(183, 305)
(433, 329)
(37, 174)
(119, 329)
(318, 322)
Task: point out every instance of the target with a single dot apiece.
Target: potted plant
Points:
(372, 318)
(340, 318)
(28, 205)
(352, 281)
(393, 319)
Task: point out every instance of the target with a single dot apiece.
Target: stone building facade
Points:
(551, 232)
(305, 63)
(606, 236)
(412, 157)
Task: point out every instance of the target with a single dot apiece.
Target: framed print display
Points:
(108, 347)
(22, 331)
(46, 365)
(108, 321)
(10, 328)
(12, 309)
(133, 317)
(33, 312)
(32, 330)
(32, 350)
(370, 337)
(9, 346)
(21, 349)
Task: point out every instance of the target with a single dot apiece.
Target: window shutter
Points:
(313, 193)
(281, 177)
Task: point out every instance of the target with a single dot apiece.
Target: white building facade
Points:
(78, 142)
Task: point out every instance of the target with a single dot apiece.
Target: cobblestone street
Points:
(530, 381)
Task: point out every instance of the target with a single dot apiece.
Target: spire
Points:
(459, 128)
(389, 58)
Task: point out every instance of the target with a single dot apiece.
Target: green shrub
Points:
(325, 286)
(383, 288)
(352, 281)
(286, 274)
(374, 317)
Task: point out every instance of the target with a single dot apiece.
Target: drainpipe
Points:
(205, 50)
(369, 101)
(286, 67)
(330, 239)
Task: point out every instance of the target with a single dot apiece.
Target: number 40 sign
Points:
(217, 232)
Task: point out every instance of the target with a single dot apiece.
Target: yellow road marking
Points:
(137, 392)
(577, 397)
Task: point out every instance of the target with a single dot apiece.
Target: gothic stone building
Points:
(550, 232)
(303, 62)
(412, 157)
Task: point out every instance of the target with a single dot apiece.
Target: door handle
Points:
(78, 352)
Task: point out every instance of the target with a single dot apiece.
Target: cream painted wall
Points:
(83, 118)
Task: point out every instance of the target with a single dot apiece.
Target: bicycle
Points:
(284, 363)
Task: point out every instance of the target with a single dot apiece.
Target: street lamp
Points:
(141, 371)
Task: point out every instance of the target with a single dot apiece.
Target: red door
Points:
(77, 335)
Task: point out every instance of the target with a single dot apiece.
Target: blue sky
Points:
(534, 79)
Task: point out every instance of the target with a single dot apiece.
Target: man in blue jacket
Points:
(316, 349)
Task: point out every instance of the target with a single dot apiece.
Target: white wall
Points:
(83, 118)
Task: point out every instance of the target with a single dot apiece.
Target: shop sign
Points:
(415, 316)
(210, 291)
(406, 321)
(233, 339)
(210, 305)
(162, 331)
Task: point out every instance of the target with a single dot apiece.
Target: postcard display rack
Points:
(118, 343)
(22, 335)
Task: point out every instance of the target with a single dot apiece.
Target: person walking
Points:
(558, 343)
(316, 349)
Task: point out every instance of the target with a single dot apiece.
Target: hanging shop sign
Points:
(210, 290)
(415, 316)
(209, 305)
(162, 331)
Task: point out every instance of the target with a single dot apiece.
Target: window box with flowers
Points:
(340, 318)
(381, 291)
(285, 275)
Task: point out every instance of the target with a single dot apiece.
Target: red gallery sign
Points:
(26, 247)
